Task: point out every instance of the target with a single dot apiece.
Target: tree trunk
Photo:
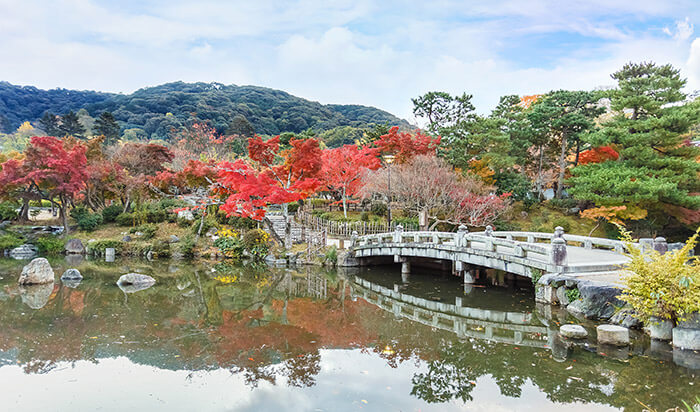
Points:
(345, 205)
(539, 173)
(287, 227)
(201, 224)
(62, 211)
(24, 211)
(562, 166)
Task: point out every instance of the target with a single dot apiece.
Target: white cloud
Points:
(346, 51)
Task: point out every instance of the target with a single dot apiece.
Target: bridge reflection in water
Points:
(516, 328)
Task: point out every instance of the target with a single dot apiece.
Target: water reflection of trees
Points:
(270, 326)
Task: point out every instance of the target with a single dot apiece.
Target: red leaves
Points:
(404, 145)
(344, 168)
(598, 155)
(263, 152)
(51, 167)
(250, 189)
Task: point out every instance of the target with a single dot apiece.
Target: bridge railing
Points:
(530, 245)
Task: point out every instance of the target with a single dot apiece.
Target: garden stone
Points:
(561, 296)
(688, 339)
(185, 214)
(71, 274)
(36, 296)
(661, 329)
(571, 283)
(599, 300)
(126, 238)
(23, 252)
(626, 318)
(110, 252)
(138, 234)
(135, 279)
(557, 281)
(550, 295)
(576, 308)
(74, 247)
(174, 239)
(573, 331)
(37, 272)
(613, 335)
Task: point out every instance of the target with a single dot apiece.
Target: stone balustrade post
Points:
(660, 245)
(461, 235)
(558, 253)
(398, 233)
(559, 232)
(489, 231)
(353, 239)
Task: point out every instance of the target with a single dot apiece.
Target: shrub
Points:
(187, 246)
(78, 212)
(229, 243)
(406, 222)
(257, 243)
(331, 255)
(148, 230)
(364, 216)
(89, 221)
(563, 222)
(110, 213)
(241, 222)
(292, 207)
(50, 245)
(9, 241)
(379, 209)
(209, 222)
(562, 204)
(664, 286)
(573, 294)
(536, 275)
(161, 249)
(182, 222)
(8, 211)
(125, 219)
(505, 225)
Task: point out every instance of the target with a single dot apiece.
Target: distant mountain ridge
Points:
(159, 110)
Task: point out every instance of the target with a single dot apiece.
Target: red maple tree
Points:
(250, 186)
(404, 145)
(598, 155)
(345, 167)
(52, 169)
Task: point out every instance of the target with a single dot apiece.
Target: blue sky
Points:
(379, 53)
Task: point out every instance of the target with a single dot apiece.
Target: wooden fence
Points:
(345, 229)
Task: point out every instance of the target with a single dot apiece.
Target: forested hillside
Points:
(155, 112)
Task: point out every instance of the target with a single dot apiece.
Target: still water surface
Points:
(221, 337)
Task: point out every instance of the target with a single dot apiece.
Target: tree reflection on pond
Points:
(273, 327)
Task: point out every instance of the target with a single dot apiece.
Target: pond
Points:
(226, 337)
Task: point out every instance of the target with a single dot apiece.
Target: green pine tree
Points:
(71, 126)
(107, 126)
(657, 165)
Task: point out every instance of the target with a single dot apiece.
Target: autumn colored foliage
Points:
(404, 145)
(249, 186)
(345, 167)
(598, 155)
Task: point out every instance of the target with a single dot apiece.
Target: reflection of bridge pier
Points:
(466, 322)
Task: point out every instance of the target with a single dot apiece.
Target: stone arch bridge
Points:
(519, 253)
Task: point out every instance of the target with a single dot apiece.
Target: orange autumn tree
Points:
(270, 177)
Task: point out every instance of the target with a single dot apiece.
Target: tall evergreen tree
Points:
(657, 166)
(107, 126)
(240, 126)
(563, 116)
(49, 123)
(71, 126)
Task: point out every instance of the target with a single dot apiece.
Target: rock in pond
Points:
(626, 317)
(133, 282)
(37, 272)
(74, 247)
(599, 300)
(573, 331)
(688, 339)
(613, 335)
(36, 296)
(23, 252)
(71, 274)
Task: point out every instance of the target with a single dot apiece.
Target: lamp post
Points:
(388, 159)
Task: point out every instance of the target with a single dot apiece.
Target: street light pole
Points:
(388, 159)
